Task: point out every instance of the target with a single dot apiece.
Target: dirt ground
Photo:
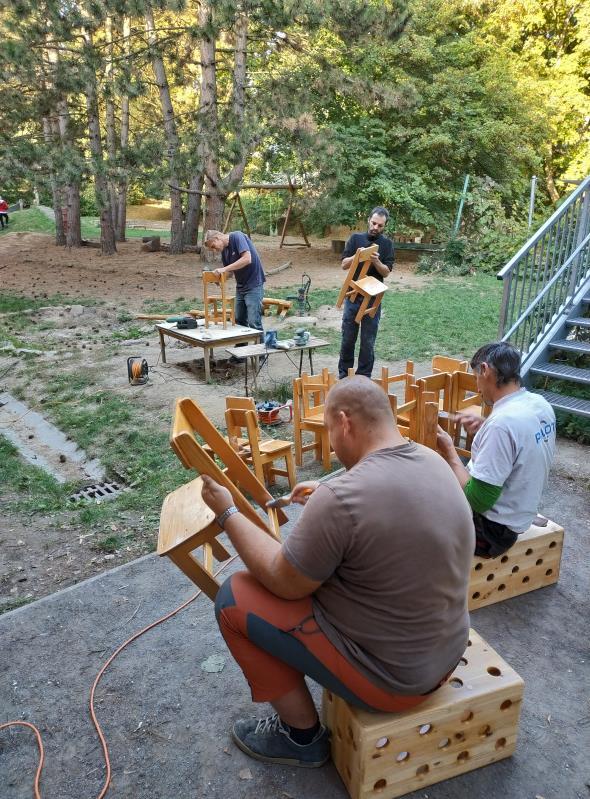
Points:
(33, 265)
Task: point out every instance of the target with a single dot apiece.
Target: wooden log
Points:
(95, 245)
(278, 269)
(152, 244)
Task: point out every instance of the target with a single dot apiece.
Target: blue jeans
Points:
(350, 329)
(249, 307)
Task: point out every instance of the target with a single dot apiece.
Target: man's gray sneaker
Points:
(268, 740)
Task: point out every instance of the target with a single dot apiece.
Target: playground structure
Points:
(292, 188)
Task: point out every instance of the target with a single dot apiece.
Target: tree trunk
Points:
(74, 231)
(176, 238)
(193, 211)
(122, 188)
(550, 184)
(60, 236)
(110, 130)
(107, 231)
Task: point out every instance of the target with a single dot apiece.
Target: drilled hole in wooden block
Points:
(515, 569)
(529, 551)
(444, 743)
(462, 757)
(475, 595)
(500, 743)
(421, 771)
(494, 671)
(485, 732)
(538, 561)
(456, 683)
(425, 729)
(552, 545)
(382, 743)
(478, 567)
(504, 559)
(459, 736)
(469, 642)
(467, 716)
(379, 785)
(506, 704)
(401, 757)
(463, 661)
(490, 577)
(548, 572)
(501, 587)
(526, 579)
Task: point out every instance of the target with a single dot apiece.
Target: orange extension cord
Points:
(98, 678)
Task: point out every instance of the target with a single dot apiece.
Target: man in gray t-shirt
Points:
(511, 453)
(367, 596)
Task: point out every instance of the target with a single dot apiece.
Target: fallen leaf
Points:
(213, 664)
(245, 774)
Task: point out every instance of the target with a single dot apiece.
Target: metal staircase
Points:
(546, 305)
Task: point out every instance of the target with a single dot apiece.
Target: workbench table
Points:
(208, 338)
(253, 352)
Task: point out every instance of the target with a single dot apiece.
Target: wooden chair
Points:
(186, 522)
(441, 385)
(309, 394)
(218, 308)
(417, 418)
(240, 415)
(440, 363)
(369, 288)
(465, 397)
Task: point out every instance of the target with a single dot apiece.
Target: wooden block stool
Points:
(532, 562)
(469, 722)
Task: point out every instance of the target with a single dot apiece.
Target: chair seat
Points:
(184, 514)
(273, 446)
(370, 286)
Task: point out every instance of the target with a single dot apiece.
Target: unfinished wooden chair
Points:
(186, 522)
(440, 363)
(441, 385)
(465, 398)
(309, 395)
(282, 306)
(240, 417)
(218, 308)
(369, 288)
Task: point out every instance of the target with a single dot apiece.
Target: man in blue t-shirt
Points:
(381, 266)
(238, 255)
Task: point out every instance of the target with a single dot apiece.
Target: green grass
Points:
(35, 491)
(90, 226)
(448, 317)
(31, 220)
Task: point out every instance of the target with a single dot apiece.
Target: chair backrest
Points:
(189, 420)
(313, 390)
(236, 416)
(220, 280)
(442, 386)
(440, 363)
(362, 258)
(465, 393)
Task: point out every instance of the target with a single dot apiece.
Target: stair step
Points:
(586, 300)
(562, 372)
(579, 321)
(579, 407)
(570, 345)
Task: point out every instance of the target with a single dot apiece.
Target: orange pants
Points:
(277, 641)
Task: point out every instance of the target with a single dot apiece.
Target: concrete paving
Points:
(166, 720)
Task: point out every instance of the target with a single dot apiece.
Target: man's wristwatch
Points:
(223, 517)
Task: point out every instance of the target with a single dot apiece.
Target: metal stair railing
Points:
(541, 280)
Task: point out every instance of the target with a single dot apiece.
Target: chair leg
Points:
(297, 440)
(292, 477)
(269, 474)
(325, 451)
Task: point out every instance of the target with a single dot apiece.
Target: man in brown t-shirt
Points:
(368, 595)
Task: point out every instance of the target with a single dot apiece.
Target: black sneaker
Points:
(267, 740)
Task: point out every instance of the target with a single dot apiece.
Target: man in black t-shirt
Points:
(381, 266)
